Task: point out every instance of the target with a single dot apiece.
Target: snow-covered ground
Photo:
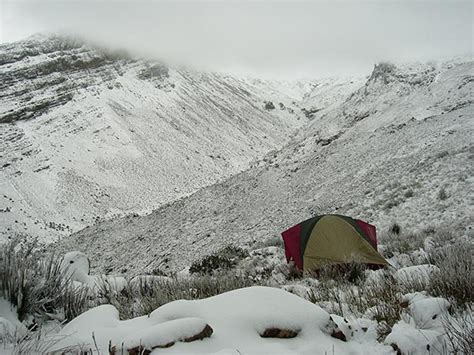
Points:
(384, 311)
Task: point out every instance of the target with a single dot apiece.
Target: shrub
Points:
(224, 259)
(442, 194)
(395, 228)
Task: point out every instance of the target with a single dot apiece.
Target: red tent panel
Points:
(369, 231)
(292, 240)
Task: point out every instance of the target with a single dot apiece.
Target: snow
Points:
(236, 317)
(11, 329)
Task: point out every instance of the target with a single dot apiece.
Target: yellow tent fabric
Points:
(334, 241)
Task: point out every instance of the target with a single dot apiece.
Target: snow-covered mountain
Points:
(86, 133)
(398, 149)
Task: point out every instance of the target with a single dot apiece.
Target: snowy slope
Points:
(385, 154)
(87, 134)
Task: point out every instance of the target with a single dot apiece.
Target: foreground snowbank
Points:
(238, 320)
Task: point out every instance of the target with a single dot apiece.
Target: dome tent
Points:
(331, 239)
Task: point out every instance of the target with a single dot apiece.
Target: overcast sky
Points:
(267, 38)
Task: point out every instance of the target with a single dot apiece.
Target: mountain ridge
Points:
(387, 166)
(88, 134)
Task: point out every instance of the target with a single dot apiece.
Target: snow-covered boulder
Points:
(75, 266)
(410, 340)
(421, 330)
(238, 319)
(427, 312)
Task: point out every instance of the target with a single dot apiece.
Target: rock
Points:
(396, 348)
(332, 328)
(166, 334)
(404, 304)
(139, 350)
(279, 333)
(269, 105)
(338, 334)
(205, 333)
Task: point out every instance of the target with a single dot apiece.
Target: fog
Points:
(264, 38)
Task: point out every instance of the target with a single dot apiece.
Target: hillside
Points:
(398, 149)
(88, 134)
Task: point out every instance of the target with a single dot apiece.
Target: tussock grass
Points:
(455, 280)
(145, 296)
(35, 284)
(31, 283)
(460, 332)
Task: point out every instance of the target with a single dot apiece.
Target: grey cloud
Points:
(269, 38)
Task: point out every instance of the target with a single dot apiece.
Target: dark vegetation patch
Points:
(224, 259)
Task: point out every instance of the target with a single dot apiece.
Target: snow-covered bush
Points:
(442, 194)
(395, 242)
(263, 264)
